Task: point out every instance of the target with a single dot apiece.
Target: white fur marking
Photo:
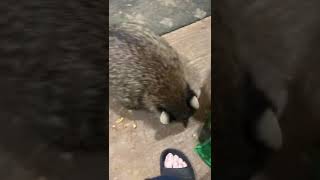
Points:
(164, 118)
(269, 131)
(194, 102)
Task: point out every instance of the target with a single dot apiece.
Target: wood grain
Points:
(194, 42)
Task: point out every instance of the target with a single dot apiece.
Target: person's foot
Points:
(174, 161)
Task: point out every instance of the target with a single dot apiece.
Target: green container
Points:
(203, 149)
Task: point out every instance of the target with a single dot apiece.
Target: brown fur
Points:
(145, 72)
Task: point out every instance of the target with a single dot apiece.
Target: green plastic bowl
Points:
(203, 149)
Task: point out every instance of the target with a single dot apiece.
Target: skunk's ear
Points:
(268, 130)
(164, 118)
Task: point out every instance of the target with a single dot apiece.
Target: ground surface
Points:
(161, 16)
(135, 143)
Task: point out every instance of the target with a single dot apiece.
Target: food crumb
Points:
(134, 126)
(113, 126)
(119, 120)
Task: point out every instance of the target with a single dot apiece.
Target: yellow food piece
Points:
(134, 126)
(119, 120)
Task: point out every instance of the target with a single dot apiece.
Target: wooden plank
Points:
(194, 42)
